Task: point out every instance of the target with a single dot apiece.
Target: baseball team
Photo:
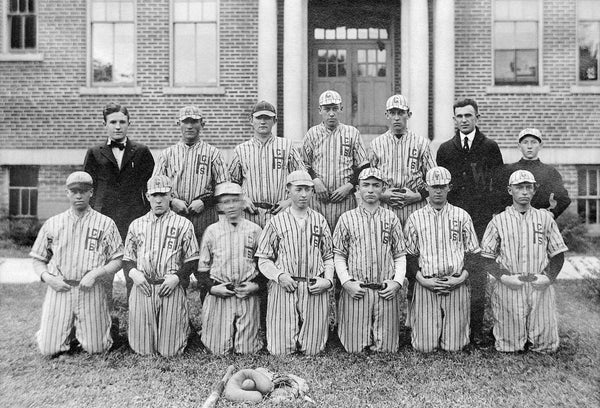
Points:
(296, 245)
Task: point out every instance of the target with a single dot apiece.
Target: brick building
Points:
(529, 63)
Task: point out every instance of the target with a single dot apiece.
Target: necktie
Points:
(466, 144)
(118, 145)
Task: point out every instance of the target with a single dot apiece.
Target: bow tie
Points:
(118, 145)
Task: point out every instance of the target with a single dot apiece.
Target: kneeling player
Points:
(525, 254)
(295, 254)
(370, 264)
(228, 271)
(440, 234)
(160, 252)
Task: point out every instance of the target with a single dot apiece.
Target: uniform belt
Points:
(304, 279)
(266, 206)
(155, 281)
(373, 285)
(527, 278)
(71, 282)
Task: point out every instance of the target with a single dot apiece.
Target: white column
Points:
(295, 78)
(404, 49)
(419, 66)
(267, 51)
(443, 70)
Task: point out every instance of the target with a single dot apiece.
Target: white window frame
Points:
(582, 87)
(199, 88)
(6, 54)
(109, 89)
(540, 88)
(595, 226)
(20, 189)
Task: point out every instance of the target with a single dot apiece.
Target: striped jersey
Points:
(73, 245)
(332, 154)
(440, 239)
(522, 243)
(227, 251)
(297, 248)
(193, 170)
(160, 245)
(262, 168)
(370, 242)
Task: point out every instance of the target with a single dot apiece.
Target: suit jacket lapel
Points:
(107, 152)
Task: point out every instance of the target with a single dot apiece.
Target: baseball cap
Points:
(397, 102)
(190, 112)
(371, 172)
(79, 179)
(437, 176)
(521, 176)
(159, 184)
(264, 108)
(299, 178)
(330, 97)
(531, 132)
(228, 188)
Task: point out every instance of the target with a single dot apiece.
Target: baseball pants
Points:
(158, 324)
(231, 325)
(296, 321)
(369, 323)
(86, 310)
(440, 321)
(523, 315)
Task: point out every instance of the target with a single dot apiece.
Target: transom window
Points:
(348, 33)
(22, 25)
(516, 42)
(113, 42)
(588, 194)
(23, 191)
(195, 57)
(588, 39)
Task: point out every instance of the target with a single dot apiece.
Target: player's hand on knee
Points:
(354, 290)
(320, 190)
(287, 283)
(169, 285)
(541, 283)
(196, 206)
(55, 282)
(139, 280)
(512, 281)
(246, 289)
(179, 206)
(391, 289)
(341, 193)
(319, 286)
(249, 206)
(222, 290)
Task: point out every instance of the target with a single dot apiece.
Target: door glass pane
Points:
(381, 71)
(361, 56)
(372, 56)
(371, 70)
(322, 55)
(322, 70)
(342, 70)
(341, 54)
(381, 56)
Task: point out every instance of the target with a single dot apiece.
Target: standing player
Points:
(160, 252)
(525, 253)
(120, 169)
(295, 254)
(261, 164)
(72, 251)
(370, 264)
(228, 271)
(440, 234)
(404, 159)
(194, 168)
(334, 155)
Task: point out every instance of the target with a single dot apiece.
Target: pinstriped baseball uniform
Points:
(333, 155)
(194, 171)
(440, 240)
(523, 244)
(369, 242)
(261, 170)
(227, 252)
(159, 246)
(72, 246)
(404, 163)
(297, 320)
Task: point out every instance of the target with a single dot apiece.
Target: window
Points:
(112, 42)
(22, 29)
(195, 57)
(588, 194)
(516, 42)
(331, 63)
(588, 39)
(23, 191)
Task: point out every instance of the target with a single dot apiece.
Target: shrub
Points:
(23, 231)
(574, 232)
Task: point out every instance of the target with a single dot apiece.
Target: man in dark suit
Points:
(120, 169)
(473, 159)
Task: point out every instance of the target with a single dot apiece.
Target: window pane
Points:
(195, 10)
(22, 6)
(30, 32)
(371, 55)
(322, 68)
(526, 35)
(25, 202)
(319, 33)
(527, 65)
(363, 33)
(32, 6)
(13, 202)
(581, 182)
(593, 182)
(371, 70)
(588, 39)
(373, 33)
(340, 33)
(381, 56)
(361, 55)
(501, 9)
(23, 176)
(127, 11)
(102, 52)
(504, 66)
(113, 11)
(588, 9)
(362, 69)
(185, 60)
(342, 70)
(16, 30)
(504, 36)
(593, 213)
(33, 195)
(525, 9)
(180, 10)
(383, 34)
(98, 11)
(206, 42)
(322, 55)
(124, 52)
(352, 34)
(14, 6)
(381, 71)
(210, 10)
(330, 34)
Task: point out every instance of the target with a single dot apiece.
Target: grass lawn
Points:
(479, 378)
